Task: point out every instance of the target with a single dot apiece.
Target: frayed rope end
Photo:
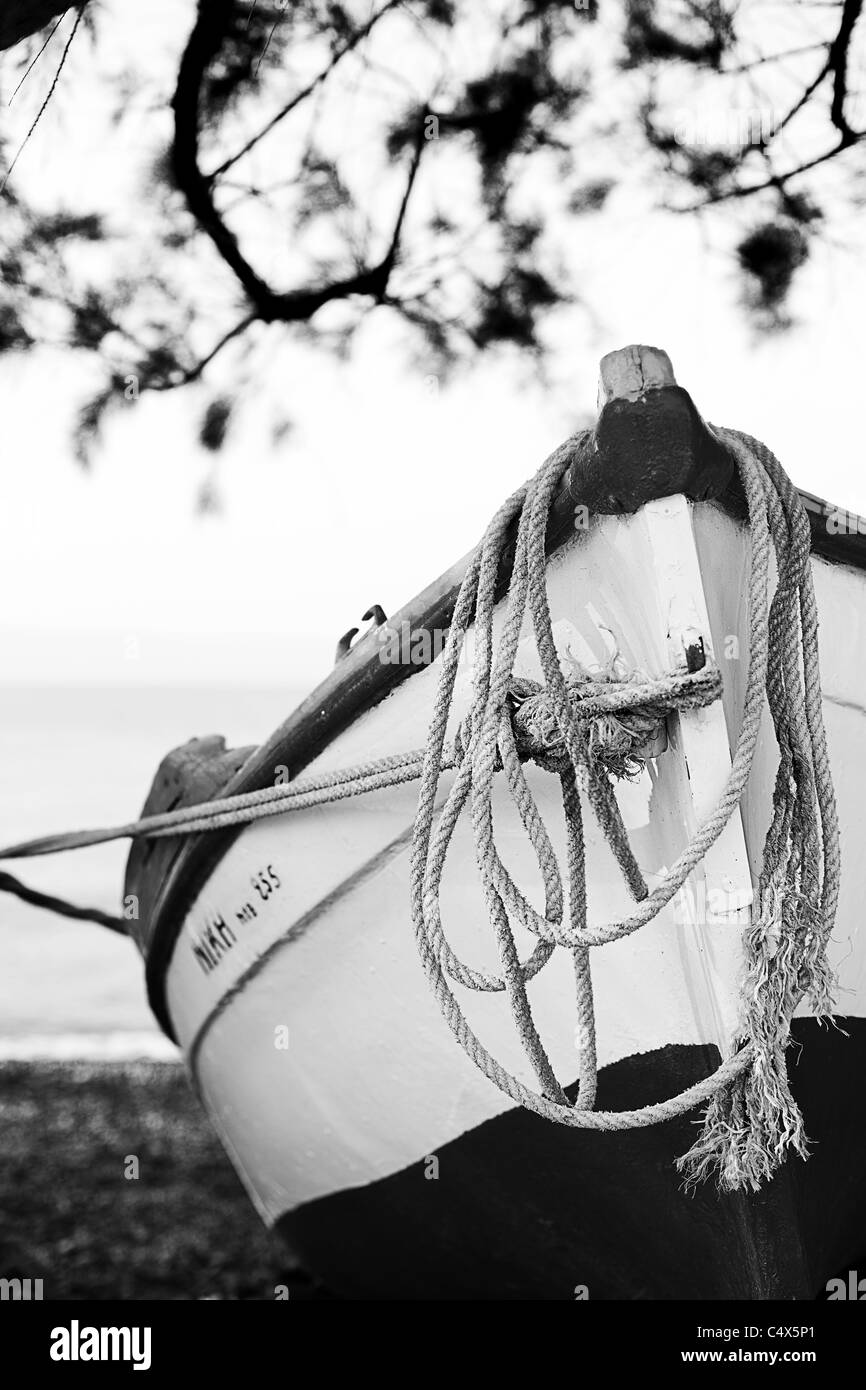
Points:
(747, 1133)
(751, 1127)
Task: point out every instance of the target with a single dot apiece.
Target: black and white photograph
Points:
(432, 671)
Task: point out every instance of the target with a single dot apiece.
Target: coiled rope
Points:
(753, 1119)
(582, 732)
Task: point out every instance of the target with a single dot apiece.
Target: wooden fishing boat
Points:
(281, 955)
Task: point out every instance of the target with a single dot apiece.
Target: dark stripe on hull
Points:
(525, 1209)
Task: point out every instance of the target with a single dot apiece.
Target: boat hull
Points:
(362, 1131)
(527, 1210)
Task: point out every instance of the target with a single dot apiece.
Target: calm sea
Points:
(72, 758)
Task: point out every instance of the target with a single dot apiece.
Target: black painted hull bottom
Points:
(524, 1209)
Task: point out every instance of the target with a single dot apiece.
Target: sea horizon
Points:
(73, 757)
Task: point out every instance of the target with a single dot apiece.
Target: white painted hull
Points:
(315, 1042)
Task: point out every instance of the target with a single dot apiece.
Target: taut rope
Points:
(583, 731)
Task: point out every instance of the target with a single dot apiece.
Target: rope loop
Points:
(587, 731)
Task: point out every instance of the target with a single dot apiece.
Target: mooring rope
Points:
(584, 731)
(753, 1119)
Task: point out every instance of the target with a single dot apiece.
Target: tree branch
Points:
(348, 46)
(774, 180)
(212, 23)
(19, 19)
(835, 65)
(774, 58)
(192, 374)
(390, 258)
(838, 63)
(808, 91)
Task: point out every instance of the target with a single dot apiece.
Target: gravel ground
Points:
(69, 1214)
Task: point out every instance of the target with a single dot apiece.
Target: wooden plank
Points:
(628, 373)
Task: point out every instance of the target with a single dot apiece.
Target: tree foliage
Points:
(427, 159)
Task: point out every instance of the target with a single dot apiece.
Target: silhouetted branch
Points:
(269, 305)
(350, 44)
(838, 62)
(19, 19)
(190, 374)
